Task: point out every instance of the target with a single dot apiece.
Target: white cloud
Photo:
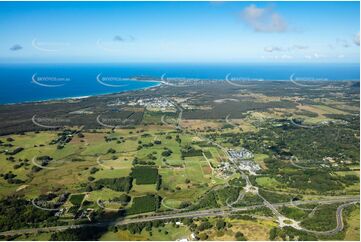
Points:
(287, 57)
(289, 49)
(314, 55)
(272, 48)
(299, 47)
(342, 43)
(331, 46)
(263, 19)
(356, 39)
(278, 57)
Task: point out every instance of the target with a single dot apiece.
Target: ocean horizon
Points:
(41, 82)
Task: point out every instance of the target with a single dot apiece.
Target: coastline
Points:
(157, 84)
(79, 97)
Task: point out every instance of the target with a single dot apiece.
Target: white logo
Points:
(39, 122)
(292, 79)
(49, 46)
(119, 122)
(45, 80)
(103, 80)
(232, 80)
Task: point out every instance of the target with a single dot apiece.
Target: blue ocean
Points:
(37, 82)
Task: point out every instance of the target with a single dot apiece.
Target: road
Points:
(215, 212)
(197, 214)
(251, 188)
(340, 224)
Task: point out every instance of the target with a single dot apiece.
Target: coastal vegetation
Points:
(307, 149)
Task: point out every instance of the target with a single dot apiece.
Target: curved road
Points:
(210, 212)
(340, 224)
(196, 214)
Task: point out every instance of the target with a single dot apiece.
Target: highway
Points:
(273, 207)
(221, 212)
(340, 224)
(201, 213)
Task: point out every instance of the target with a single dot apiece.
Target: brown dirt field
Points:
(77, 140)
(207, 170)
(252, 230)
(259, 97)
(199, 124)
(319, 110)
(244, 125)
(133, 109)
(94, 137)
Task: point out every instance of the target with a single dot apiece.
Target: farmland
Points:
(179, 162)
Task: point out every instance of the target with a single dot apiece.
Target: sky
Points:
(219, 32)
